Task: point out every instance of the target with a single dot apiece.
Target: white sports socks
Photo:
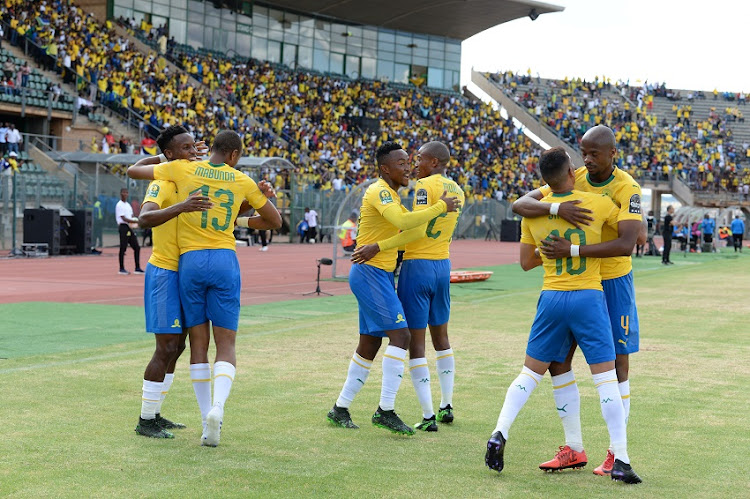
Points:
(359, 370)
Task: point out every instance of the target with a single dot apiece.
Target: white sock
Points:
(446, 369)
(613, 412)
(359, 370)
(223, 378)
(168, 379)
(517, 395)
(420, 378)
(625, 396)
(568, 404)
(393, 373)
(200, 375)
(150, 398)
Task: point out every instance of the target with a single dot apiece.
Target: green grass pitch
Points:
(71, 375)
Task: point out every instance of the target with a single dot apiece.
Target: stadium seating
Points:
(653, 133)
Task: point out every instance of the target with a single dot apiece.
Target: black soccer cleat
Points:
(150, 428)
(167, 424)
(445, 414)
(427, 424)
(624, 473)
(390, 421)
(495, 450)
(340, 417)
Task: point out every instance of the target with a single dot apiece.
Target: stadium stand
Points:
(656, 135)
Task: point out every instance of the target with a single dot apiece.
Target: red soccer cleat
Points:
(566, 458)
(606, 467)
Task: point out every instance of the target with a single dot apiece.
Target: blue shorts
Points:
(379, 308)
(564, 316)
(210, 286)
(620, 295)
(424, 288)
(161, 300)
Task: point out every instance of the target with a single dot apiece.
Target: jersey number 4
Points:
(569, 261)
(204, 190)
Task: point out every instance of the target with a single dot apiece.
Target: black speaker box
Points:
(82, 231)
(42, 226)
(510, 231)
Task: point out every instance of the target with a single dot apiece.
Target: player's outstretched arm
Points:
(409, 220)
(267, 218)
(627, 230)
(530, 206)
(141, 172)
(368, 251)
(529, 257)
(152, 216)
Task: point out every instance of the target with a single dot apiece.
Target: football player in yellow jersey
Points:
(424, 282)
(599, 175)
(571, 308)
(209, 274)
(161, 293)
(380, 312)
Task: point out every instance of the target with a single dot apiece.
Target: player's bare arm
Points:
(642, 233)
(529, 257)
(530, 206)
(627, 234)
(152, 216)
(267, 218)
(142, 172)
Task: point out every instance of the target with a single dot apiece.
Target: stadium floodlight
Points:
(533, 14)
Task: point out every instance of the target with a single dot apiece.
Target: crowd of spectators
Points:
(701, 152)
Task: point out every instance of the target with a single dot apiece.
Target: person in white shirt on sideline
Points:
(311, 217)
(124, 216)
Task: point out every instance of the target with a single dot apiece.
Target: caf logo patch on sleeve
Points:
(421, 197)
(153, 191)
(635, 204)
(385, 197)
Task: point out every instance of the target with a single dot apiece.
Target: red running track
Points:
(284, 272)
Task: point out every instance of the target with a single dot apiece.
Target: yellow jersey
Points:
(226, 188)
(372, 227)
(570, 274)
(439, 234)
(166, 253)
(626, 194)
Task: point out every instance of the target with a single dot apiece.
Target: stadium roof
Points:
(458, 19)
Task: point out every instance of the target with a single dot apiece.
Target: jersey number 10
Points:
(569, 261)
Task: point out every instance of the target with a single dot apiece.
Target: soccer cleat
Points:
(167, 424)
(495, 450)
(150, 428)
(139, 271)
(340, 417)
(390, 421)
(564, 459)
(427, 424)
(624, 473)
(123, 272)
(605, 468)
(212, 433)
(445, 414)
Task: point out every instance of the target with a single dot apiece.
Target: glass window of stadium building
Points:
(299, 41)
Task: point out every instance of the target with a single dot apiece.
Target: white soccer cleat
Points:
(212, 433)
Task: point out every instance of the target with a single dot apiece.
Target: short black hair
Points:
(385, 149)
(437, 150)
(552, 164)
(165, 137)
(227, 141)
